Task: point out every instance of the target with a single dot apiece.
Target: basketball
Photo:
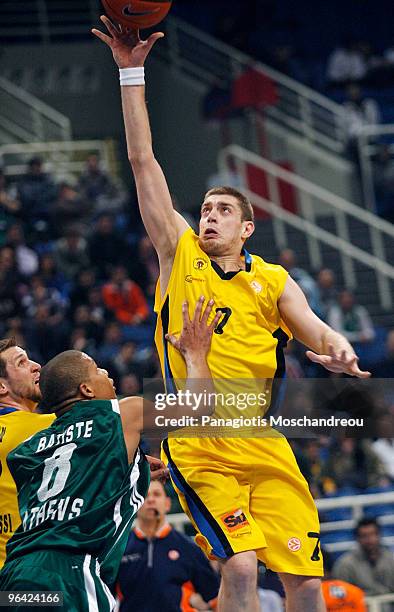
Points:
(137, 13)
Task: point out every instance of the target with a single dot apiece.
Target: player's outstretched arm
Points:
(329, 348)
(162, 224)
(194, 344)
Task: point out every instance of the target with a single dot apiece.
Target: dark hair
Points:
(245, 206)
(60, 379)
(364, 522)
(5, 344)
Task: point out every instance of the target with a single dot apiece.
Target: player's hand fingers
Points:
(104, 37)
(153, 38)
(173, 340)
(185, 315)
(215, 322)
(207, 312)
(198, 310)
(112, 29)
(322, 359)
(159, 474)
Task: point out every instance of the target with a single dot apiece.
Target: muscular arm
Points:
(330, 349)
(162, 223)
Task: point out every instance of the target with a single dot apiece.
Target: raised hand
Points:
(345, 362)
(196, 335)
(128, 49)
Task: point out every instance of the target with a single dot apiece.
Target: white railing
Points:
(65, 159)
(314, 201)
(205, 61)
(368, 147)
(25, 118)
(376, 604)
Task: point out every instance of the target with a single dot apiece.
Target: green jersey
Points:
(76, 490)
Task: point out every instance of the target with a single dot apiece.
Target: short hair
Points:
(244, 204)
(60, 379)
(5, 344)
(365, 522)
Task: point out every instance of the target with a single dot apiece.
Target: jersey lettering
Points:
(57, 466)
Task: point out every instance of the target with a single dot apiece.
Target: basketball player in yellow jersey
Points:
(19, 396)
(246, 497)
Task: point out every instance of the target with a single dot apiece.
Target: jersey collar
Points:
(160, 534)
(7, 410)
(229, 275)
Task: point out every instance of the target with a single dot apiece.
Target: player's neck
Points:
(25, 405)
(229, 263)
(151, 527)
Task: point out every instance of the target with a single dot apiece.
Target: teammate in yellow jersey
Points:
(246, 497)
(19, 396)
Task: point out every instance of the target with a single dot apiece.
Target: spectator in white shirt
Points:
(351, 319)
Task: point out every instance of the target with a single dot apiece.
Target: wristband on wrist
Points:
(132, 76)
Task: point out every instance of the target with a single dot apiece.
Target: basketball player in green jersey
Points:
(81, 481)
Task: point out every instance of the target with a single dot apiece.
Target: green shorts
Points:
(76, 576)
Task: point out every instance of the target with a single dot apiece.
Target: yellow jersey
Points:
(15, 427)
(247, 346)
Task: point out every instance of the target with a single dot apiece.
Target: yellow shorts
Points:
(247, 494)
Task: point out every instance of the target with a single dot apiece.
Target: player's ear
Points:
(3, 387)
(248, 229)
(86, 390)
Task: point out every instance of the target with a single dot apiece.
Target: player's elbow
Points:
(140, 158)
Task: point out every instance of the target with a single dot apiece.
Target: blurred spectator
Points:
(38, 295)
(287, 259)
(353, 463)
(9, 205)
(270, 601)
(71, 253)
(345, 64)
(106, 246)
(384, 449)
(328, 292)
(319, 481)
(84, 319)
(293, 366)
(230, 177)
(370, 566)
(351, 319)
(385, 367)
(37, 193)
(79, 341)
(51, 276)
(340, 596)
(124, 298)
(129, 385)
(97, 187)
(179, 575)
(110, 344)
(48, 333)
(26, 258)
(358, 112)
(383, 174)
(85, 281)
(68, 209)
(9, 286)
(144, 269)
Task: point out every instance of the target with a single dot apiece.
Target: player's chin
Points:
(211, 246)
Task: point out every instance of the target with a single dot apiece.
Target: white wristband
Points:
(132, 76)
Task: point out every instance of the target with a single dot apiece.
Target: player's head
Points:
(157, 503)
(367, 534)
(19, 376)
(73, 376)
(226, 221)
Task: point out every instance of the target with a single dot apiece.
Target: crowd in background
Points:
(78, 271)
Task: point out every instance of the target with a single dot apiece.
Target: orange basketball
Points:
(137, 13)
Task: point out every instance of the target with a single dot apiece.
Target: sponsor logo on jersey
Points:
(234, 520)
(200, 264)
(294, 544)
(189, 279)
(130, 12)
(256, 286)
(173, 555)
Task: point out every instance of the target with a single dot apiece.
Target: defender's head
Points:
(226, 222)
(19, 375)
(72, 376)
